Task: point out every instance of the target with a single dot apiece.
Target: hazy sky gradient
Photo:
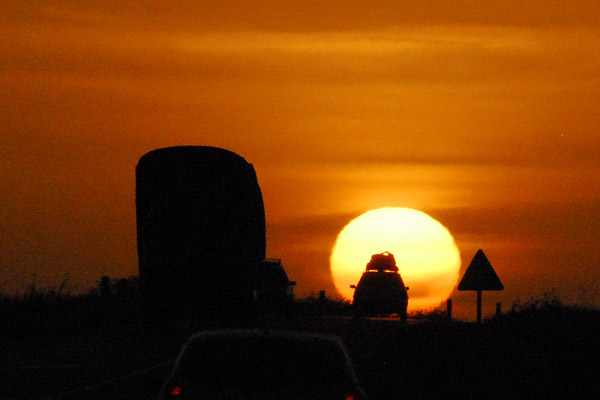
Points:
(483, 116)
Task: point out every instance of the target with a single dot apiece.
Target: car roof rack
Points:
(382, 262)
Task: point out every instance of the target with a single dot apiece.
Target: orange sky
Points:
(485, 118)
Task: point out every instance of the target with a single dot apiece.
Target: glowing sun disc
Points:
(425, 252)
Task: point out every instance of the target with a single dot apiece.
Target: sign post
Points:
(480, 276)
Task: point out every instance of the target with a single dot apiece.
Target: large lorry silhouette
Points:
(201, 230)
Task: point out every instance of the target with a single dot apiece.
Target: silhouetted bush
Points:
(42, 312)
(318, 305)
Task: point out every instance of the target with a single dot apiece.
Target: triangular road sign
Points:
(480, 275)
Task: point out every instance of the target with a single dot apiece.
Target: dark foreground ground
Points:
(99, 348)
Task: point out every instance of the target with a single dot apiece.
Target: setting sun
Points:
(425, 253)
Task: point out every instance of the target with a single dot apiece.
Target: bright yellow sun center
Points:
(425, 253)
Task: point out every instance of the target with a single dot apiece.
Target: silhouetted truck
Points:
(201, 229)
(381, 290)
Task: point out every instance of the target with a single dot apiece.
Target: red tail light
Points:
(349, 396)
(175, 391)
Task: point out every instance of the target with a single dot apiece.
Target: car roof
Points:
(280, 344)
(236, 334)
(254, 338)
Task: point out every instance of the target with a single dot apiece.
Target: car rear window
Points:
(302, 366)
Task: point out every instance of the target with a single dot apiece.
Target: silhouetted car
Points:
(274, 291)
(259, 364)
(381, 290)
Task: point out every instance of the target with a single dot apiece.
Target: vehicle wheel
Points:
(403, 315)
(358, 313)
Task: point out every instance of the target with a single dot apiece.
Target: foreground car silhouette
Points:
(258, 364)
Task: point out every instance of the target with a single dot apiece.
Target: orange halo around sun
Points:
(425, 252)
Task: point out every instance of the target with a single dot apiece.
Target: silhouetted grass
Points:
(317, 305)
(47, 312)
